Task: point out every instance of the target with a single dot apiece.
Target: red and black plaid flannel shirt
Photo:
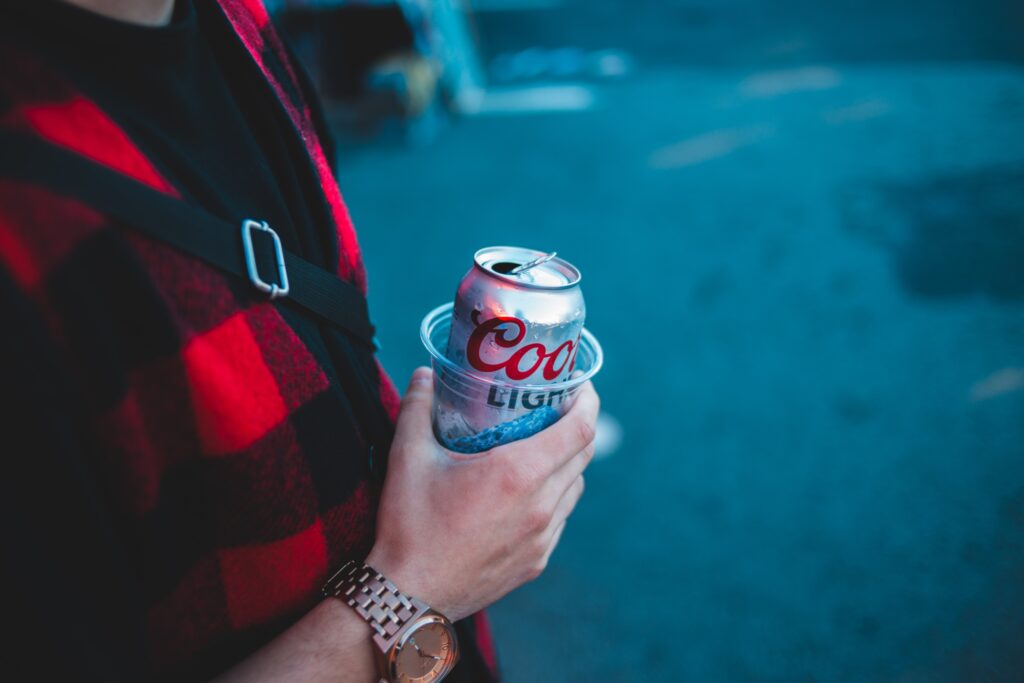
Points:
(187, 481)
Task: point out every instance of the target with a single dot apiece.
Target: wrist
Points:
(410, 578)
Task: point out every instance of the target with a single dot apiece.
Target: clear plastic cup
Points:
(473, 413)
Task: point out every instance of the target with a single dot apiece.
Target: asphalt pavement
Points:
(801, 231)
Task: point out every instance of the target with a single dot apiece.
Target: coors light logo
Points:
(508, 333)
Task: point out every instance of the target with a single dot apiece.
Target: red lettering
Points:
(575, 349)
(512, 368)
(508, 338)
(476, 340)
(550, 372)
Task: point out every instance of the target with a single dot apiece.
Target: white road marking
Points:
(707, 146)
(1001, 382)
(536, 99)
(786, 81)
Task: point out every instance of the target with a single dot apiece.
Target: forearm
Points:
(330, 644)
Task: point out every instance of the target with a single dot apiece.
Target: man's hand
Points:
(455, 531)
(458, 531)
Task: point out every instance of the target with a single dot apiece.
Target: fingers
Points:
(562, 478)
(414, 413)
(553, 447)
(567, 503)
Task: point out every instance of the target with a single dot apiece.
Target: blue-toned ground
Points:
(802, 239)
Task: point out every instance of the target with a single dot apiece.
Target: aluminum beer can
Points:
(517, 319)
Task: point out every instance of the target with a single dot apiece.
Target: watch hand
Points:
(412, 641)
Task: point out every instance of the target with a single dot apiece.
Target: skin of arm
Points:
(330, 643)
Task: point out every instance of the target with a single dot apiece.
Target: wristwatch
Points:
(413, 643)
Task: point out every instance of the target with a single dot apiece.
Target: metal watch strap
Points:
(386, 609)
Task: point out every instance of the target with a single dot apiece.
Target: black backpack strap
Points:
(234, 249)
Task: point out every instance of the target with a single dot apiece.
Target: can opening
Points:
(505, 267)
(527, 267)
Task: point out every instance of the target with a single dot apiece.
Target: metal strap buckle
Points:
(272, 289)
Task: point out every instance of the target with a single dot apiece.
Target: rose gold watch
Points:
(412, 642)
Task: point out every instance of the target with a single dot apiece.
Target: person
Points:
(187, 461)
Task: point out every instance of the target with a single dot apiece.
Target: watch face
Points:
(426, 653)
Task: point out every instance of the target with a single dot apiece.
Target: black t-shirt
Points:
(223, 141)
(191, 97)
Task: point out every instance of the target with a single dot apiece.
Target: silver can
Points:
(517, 320)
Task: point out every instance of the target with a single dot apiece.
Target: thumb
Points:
(414, 413)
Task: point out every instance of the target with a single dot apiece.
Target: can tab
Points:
(533, 264)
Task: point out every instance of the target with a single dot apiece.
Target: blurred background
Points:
(801, 229)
